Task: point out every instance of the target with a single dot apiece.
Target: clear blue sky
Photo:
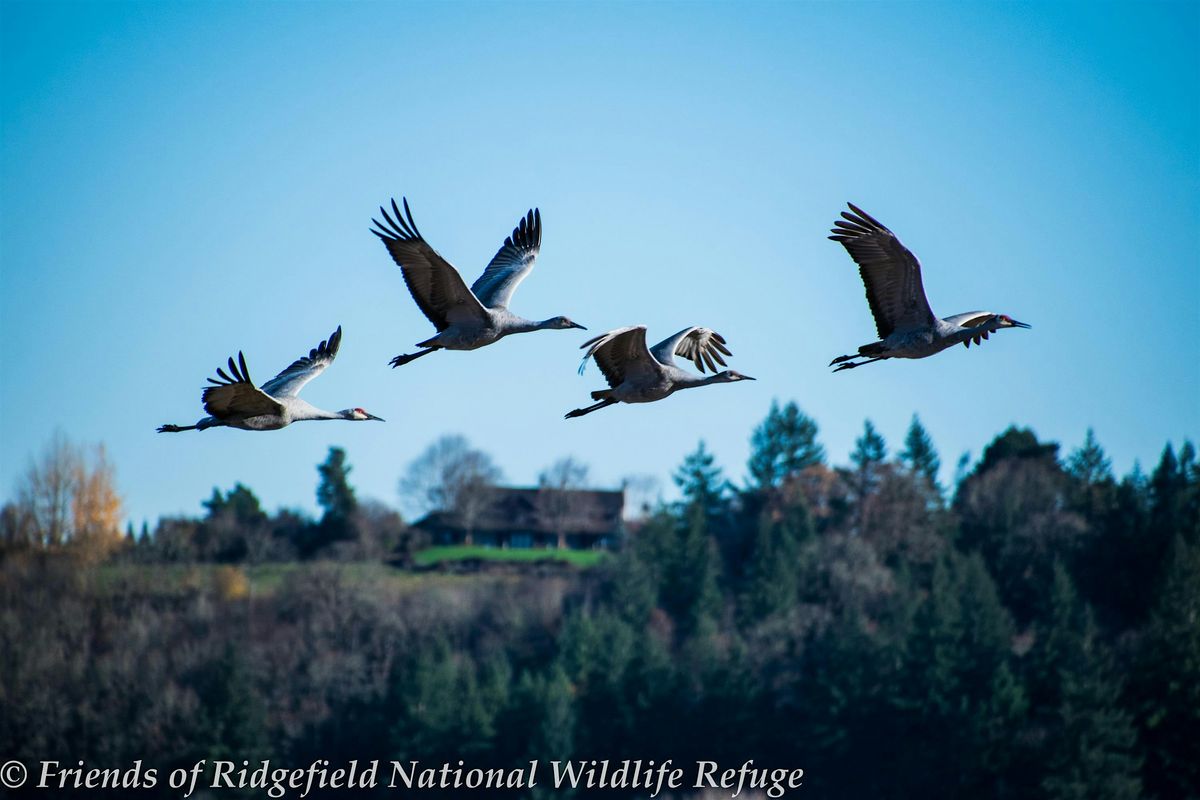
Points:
(184, 180)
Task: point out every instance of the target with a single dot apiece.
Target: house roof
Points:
(586, 511)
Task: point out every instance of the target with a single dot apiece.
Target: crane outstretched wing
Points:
(434, 284)
(289, 382)
(621, 355)
(702, 346)
(512, 262)
(234, 395)
(891, 274)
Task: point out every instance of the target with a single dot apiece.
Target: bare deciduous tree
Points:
(560, 506)
(642, 494)
(451, 476)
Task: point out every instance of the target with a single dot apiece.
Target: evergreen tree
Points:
(1101, 565)
(233, 520)
(689, 587)
(958, 689)
(772, 576)
(1166, 682)
(1173, 507)
(1091, 740)
(690, 568)
(869, 449)
(783, 445)
(702, 482)
(1015, 510)
(446, 703)
(919, 454)
(240, 502)
(230, 720)
(620, 675)
(1021, 443)
(539, 724)
(336, 497)
(1089, 464)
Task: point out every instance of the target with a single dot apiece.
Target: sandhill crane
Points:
(235, 402)
(637, 374)
(907, 326)
(466, 319)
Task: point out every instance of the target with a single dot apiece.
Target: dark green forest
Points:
(1032, 631)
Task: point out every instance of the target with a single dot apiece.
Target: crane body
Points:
(233, 401)
(466, 318)
(906, 325)
(638, 374)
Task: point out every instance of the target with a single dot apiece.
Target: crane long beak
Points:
(577, 325)
(377, 419)
(1020, 324)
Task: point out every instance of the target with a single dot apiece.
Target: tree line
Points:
(1032, 631)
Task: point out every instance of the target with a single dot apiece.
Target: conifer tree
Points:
(689, 584)
(919, 454)
(239, 501)
(1089, 463)
(957, 679)
(334, 493)
(702, 482)
(689, 588)
(1166, 682)
(869, 449)
(231, 720)
(772, 575)
(336, 497)
(1091, 750)
(783, 445)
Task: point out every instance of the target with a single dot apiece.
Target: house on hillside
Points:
(580, 519)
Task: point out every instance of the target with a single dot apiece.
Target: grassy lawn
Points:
(579, 558)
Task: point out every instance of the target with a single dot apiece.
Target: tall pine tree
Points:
(1165, 686)
(919, 454)
(336, 497)
(1091, 742)
(783, 445)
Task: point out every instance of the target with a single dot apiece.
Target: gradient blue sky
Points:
(184, 180)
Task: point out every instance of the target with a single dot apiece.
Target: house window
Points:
(522, 540)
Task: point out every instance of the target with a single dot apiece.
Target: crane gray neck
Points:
(688, 380)
(312, 412)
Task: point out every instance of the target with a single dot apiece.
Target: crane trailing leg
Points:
(400, 361)
(579, 412)
(176, 428)
(867, 351)
(859, 364)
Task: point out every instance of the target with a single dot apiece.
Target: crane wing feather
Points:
(704, 347)
(433, 282)
(970, 319)
(235, 396)
(511, 264)
(890, 273)
(296, 375)
(621, 355)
